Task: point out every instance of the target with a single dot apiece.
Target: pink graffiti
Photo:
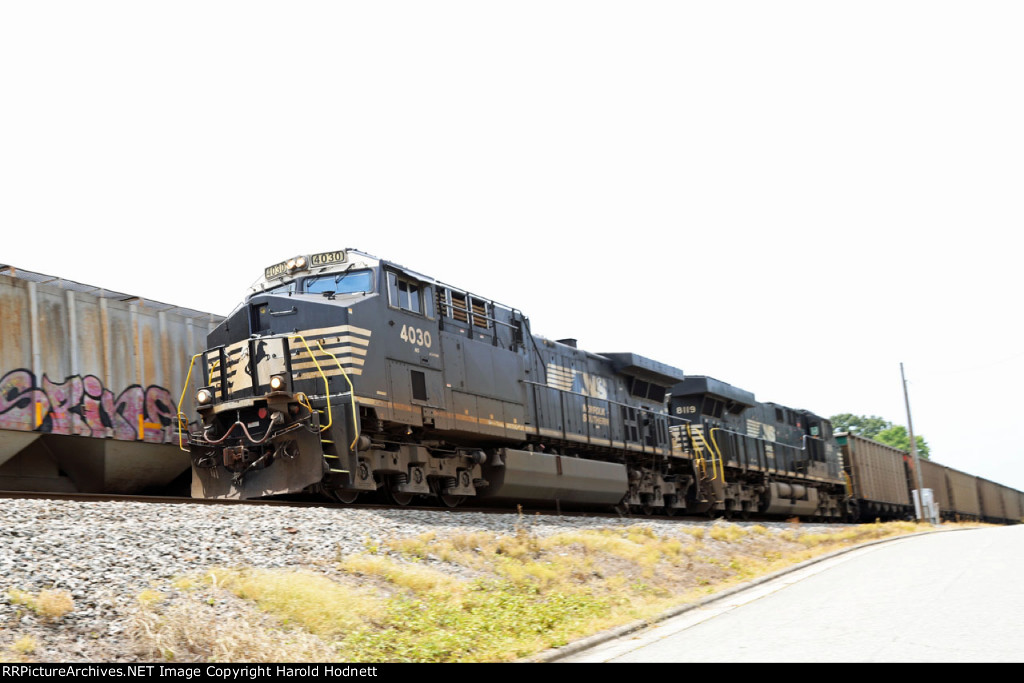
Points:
(18, 399)
(82, 406)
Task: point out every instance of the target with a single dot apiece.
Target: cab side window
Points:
(408, 294)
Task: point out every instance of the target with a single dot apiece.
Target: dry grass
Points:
(48, 605)
(413, 578)
(195, 632)
(468, 597)
(310, 601)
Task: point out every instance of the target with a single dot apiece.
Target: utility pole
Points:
(913, 450)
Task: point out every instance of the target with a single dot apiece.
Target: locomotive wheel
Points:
(669, 508)
(452, 501)
(402, 498)
(346, 496)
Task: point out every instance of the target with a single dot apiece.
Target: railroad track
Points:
(311, 501)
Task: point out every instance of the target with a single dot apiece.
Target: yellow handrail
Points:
(707, 445)
(701, 462)
(327, 388)
(304, 401)
(181, 400)
(714, 467)
(327, 391)
(714, 442)
(352, 391)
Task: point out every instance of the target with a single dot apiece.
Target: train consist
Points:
(347, 375)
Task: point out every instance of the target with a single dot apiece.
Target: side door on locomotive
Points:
(414, 371)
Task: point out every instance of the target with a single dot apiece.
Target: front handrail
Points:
(181, 416)
(352, 391)
(182, 419)
(327, 388)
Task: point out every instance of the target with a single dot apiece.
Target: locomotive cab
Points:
(276, 389)
(710, 426)
(331, 378)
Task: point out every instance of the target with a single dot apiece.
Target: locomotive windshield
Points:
(287, 288)
(346, 282)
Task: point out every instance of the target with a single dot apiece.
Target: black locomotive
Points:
(347, 374)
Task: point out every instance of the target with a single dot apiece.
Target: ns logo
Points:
(594, 386)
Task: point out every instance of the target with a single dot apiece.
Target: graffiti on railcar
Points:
(83, 406)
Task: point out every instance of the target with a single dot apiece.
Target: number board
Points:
(327, 258)
(316, 260)
(276, 270)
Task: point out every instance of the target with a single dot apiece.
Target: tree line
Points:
(883, 431)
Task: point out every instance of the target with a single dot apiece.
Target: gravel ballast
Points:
(106, 553)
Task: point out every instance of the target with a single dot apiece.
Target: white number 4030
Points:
(415, 336)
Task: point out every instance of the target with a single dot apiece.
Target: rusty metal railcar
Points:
(955, 492)
(89, 379)
(1012, 513)
(992, 504)
(878, 478)
(934, 477)
(965, 503)
(348, 374)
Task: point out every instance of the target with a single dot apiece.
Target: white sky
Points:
(792, 197)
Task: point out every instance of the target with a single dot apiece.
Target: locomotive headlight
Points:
(276, 383)
(204, 396)
(297, 263)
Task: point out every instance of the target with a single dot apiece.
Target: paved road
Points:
(941, 597)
